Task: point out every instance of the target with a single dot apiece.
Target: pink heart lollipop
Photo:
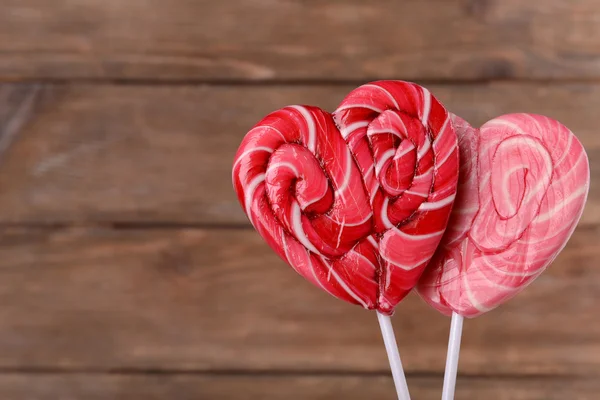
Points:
(523, 183)
(356, 202)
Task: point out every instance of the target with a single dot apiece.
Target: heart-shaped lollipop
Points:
(358, 200)
(523, 183)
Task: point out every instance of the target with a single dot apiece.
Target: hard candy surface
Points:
(355, 201)
(523, 183)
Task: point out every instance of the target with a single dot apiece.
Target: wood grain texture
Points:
(276, 387)
(106, 295)
(219, 300)
(299, 39)
(163, 154)
(17, 105)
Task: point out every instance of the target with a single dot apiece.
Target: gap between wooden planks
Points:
(163, 154)
(299, 40)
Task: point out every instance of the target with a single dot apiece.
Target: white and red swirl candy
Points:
(523, 184)
(358, 200)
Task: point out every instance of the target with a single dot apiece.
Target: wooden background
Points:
(127, 268)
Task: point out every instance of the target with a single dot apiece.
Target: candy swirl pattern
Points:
(523, 183)
(358, 200)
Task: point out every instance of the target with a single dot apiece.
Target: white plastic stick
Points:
(387, 331)
(452, 358)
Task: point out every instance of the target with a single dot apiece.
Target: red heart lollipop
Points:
(358, 200)
(523, 183)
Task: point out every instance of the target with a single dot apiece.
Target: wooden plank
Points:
(96, 153)
(219, 300)
(266, 40)
(19, 386)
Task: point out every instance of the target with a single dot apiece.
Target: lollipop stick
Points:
(452, 357)
(387, 331)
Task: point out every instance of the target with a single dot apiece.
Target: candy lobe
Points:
(523, 183)
(395, 125)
